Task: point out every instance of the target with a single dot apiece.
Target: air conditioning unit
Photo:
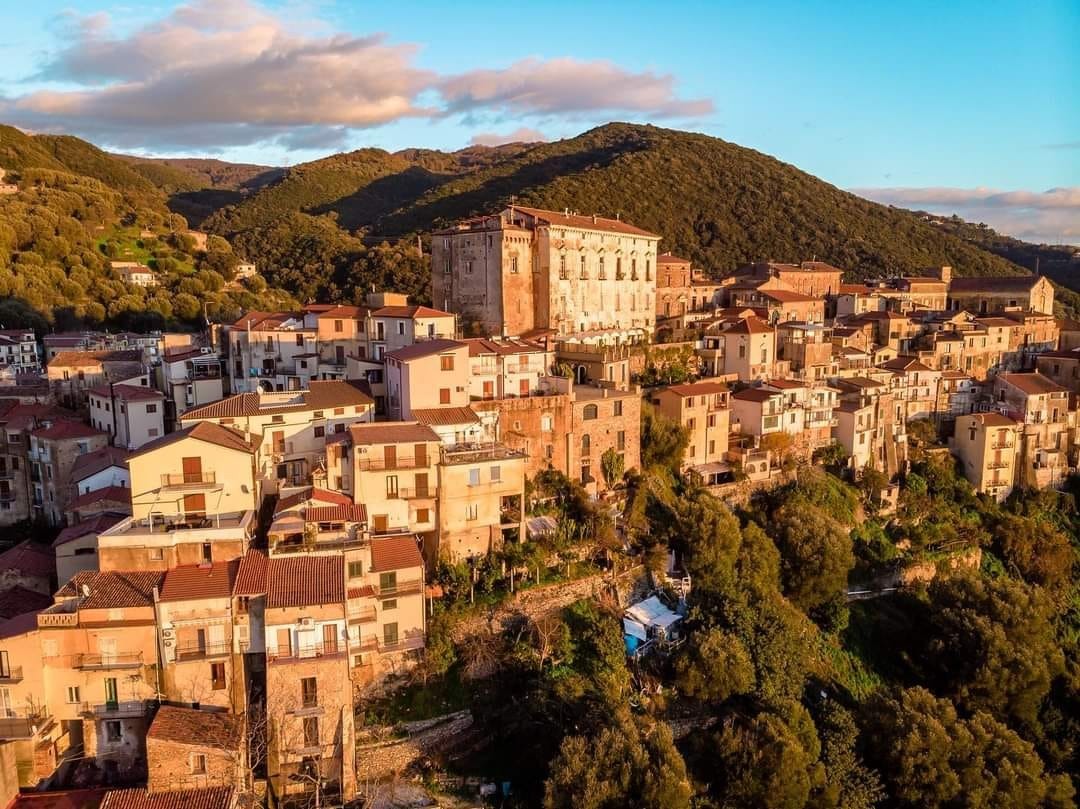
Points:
(168, 632)
(307, 623)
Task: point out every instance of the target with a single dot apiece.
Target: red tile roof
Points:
(1032, 384)
(786, 296)
(207, 798)
(192, 726)
(251, 575)
(999, 283)
(750, 325)
(994, 419)
(113, 494)
(668, 258)
(445, 416)
(29, 559)
(19, 625)
(208, 432)
(479, 346)
(392, 432)
(320, 395)
(113, 588)
(311, 494)
(351, 512)
(584, 222)
(425, 349)
(94, 525)
(76, 359)
(191, 582)
(66, 430)
(91, 463)
(66, 799)
(704, 387)
(394, 553)
(305, 581)
(126, 393)
(904, 363)
(409, 311)
(755, 395)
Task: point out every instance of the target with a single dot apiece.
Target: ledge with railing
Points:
(115, 710)
(11, 674)
(302, 653)
(379, 464)
(201, 651)
(401, 588)
(16, 725)
(118, 660)
(173, 480)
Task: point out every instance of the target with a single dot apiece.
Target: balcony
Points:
(997, 465)
(115, 710)
(11, 674)
(100, 662)
(201, 651)
(473, 453)
(188, 480)
(412, 493)
(1002, 445)
(302, 653)
(401, 588)
(384, 464)
(363, 615)
(16, 725)
(402, 644)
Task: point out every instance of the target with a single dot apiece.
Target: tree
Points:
(815, 552)
(849, 783)
(663, 441)
(630, 763)
(991, 645)
(612, 466)
(932, 758)
(1041, 553)
(715, 666)
(439, 653)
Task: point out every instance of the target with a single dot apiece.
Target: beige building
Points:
(54, 447)
(188, 749)
(988, 294)
(813, 278)
(506, 368)
(1047, 436)
(72, 374)
(527, 269)
(191, 377)
(743, 348)
(426, 375)
(132, 415)
(290, 429)
(986, 444)
(702, 408)
(481, 500)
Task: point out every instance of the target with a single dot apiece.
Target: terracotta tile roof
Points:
(668, 258)
(108, 494)
(311, 494)
(786, 296)
(305, 581)
(1032, 384)
(94, 525)
(91, 463)
(479, 346)
(207, 798)
(262, 321)
(584, 222)
(425, 349)
(126, 393)
(321, 395)
(179, 355)
(76, 359)
(392, 432)
(997, 283)
(996, 322)
(19, 624)
(703, 388)
(786, 384)
(855, 289)
(66, 799)
(217, 729)
(362, 592)
(342, 312)
(351, 512)
(755, 395)
(995, 419)
(394, 553)
(190, 582)
(208, 432)
(904, 363)
(113, 588)
(445, 416)
(19, 600)
(750, 325)
(29, 559)
(859, 382)
(251, 575)
(66, 430)
(409, 311)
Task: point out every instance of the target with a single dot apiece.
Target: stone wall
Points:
(169, 766)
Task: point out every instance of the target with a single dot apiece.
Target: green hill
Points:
(79, 208)
(718, 203)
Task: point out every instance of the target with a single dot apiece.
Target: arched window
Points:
(588, 413)
(586, 444)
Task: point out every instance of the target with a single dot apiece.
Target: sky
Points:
(967, 107)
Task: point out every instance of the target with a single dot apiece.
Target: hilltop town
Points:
(267, 532)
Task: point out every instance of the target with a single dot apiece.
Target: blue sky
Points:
(907, 102)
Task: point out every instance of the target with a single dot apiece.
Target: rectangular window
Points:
(113, 731)
(496, 474)
(311, 731)
(339, 325)
(73, 694)
(390, 634)
(309, 692)
(151, 408)
(157, 554)
(198, 764)
(444, 395)
(217, 676)
(472, 511)
(388, 582)
(390, 604)
(320, 431)
(423, 515)
(391, 486)
(356, 570)
(446, 362)
(474, 477)
(618, 408)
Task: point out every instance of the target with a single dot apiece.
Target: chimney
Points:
(565, 211)
(594, 219)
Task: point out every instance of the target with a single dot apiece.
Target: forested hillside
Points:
(719, 203)
(77, 209)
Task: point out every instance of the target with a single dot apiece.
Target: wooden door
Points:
(420, 454)
(329, 638)
(390, 457)
(421, 484)
(284, 643)
(192, 470)
(194, 505)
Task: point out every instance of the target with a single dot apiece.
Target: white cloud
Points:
(522, 134)
(561, 86)
(215, 73)
(1051, 216)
